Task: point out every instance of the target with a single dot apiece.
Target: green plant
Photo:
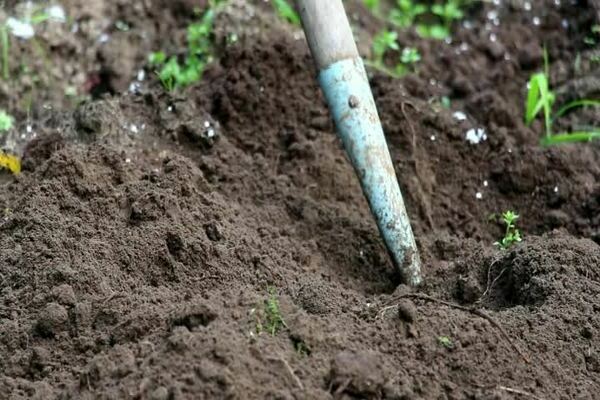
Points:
(272, 320)
(408, 60)
(6, 121)
(512, 234)
(405, 13)
(438, 32)
(372, 5)
(286, 12)
(383, 42)
(386, 41)
(4, 41)
(448, 12)
(446, 342)
(541, 99)
(175, 74)
(301, 348)
(446, 102)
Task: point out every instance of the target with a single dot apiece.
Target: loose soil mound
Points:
(138, 249)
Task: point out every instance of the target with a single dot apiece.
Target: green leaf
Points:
(286, 11)
(438, 32)
(157, 58)
(539, 97)
(382, 42)
(573, 137)
(6, 121)
(372, 5)
(410, 55)
(575, 104)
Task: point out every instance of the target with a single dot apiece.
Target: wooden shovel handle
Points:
(327, 31)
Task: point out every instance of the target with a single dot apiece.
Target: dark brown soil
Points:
(137, 251)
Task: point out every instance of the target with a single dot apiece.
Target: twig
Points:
(289, 370)
(342, 387)
(490, 285)
(4, 308)
(471, 310)
(416, 163)
(519, 391)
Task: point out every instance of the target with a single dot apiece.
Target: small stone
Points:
(51, 321)
(160, 393)
(530, 54)
(407, 311)
(321, 123)
(213, 232)
(587, 332)
(359, 374)
(64, 295)
(39, 358)
(495, 50)
(82, 314)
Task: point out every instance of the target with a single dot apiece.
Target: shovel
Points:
(344, 81)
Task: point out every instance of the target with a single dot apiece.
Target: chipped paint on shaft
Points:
(351, 102)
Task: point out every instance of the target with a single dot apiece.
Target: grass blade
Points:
(5, 50)
(575, 104)
(573, 137)
(533, 104)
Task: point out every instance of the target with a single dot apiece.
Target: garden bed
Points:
(150, 234)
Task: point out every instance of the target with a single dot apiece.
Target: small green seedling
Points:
(4, 41)
(448, 12)
(512, 234)
(272, 319)
(6, 121)
(301, 348)
(386, 41)
(438, 32)
(446, 102)
(286, 12)
(372, 5)
(541, 99)
(405, 13)
(382, 43)
(408, 59)
(175, 74)
(446, 342)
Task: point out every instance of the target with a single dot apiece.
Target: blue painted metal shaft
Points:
(351, 102)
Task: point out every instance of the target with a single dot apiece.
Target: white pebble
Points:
(57, 13)
(459, 116)
(23, 30)
(478, 195)
(432, 138)
(485, 183)
(476, 135)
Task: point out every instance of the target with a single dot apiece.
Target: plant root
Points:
(289, 369)
(472, 310)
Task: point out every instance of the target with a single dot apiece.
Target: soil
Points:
(142, 239)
